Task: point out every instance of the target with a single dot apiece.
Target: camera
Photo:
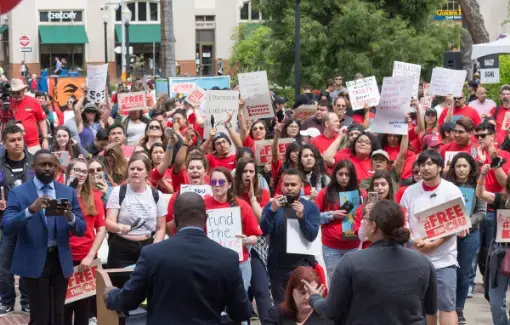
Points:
(5, 94)
(287, 200)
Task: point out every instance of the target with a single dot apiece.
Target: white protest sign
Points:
(201, 190)
(131, 102)
(390, 117)
(196, 97)
(447, 81)
(254, 89)
(448, 157)
(403, 69)
(503, 226)
(363, 91)
(219, 103)
(443, 220)
(82, 284)
(96, 82)
(263, 153)
(182, 88)
(223, 226)
(63, 157)
(298, 244)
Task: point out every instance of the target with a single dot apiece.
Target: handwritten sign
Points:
(196, 97)
(263, 153)
(403, 69)
(503, 226)
(219, 103)
(182, 88)
(201, 190)
(448, 157)
(131, 102)
(363, 91)
(394, 104)
(223, 226)
(348, 222)
(63, 157)
(82, 284)
(96, 82)
(304, 112)
(426, 102)
(254, 90)
(298, 244)
(447, 81)
(443, 220)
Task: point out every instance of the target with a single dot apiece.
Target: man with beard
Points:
(340, 108)
(458, 110)
(502, 114)
(275, 215)
(463, 140)
(316, 121)
(42, 255)
(430, 192)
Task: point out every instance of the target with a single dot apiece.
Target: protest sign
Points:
(403, 69)
(223, 226)
(131, 102)
(363, 91)
(426, 102)
(222, 82)
(469, 198)
(304, 112)
(254, 90)
(161, 86)
(219, 103)
(298, 244)
(66, 87)
(63, 157)
(182, 88)
(390, 117)
(82, 284)
(348, 222)
(263, 153)
(503, 226)
(196, 97)
(443, 220)
(447, 81)
(201, 190)
(448, 157)
(96, 82)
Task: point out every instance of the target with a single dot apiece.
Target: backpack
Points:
(123, 190)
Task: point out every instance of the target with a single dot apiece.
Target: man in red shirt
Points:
(458, 110)
(331, 128)
(28, 110)
(502, 114)
(464, 129)
(222, 157)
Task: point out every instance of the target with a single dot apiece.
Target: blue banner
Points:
(348, 222)
(469, 198)
(206, 83)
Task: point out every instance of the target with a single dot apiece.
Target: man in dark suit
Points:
(42, 255)
(188, 279)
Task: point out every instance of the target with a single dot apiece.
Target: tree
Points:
(473, 19)
(167, 52)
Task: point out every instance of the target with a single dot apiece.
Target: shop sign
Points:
(61, 15)
(448, 14)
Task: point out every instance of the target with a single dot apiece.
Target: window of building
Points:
(451, 5)
(60, 16)
(141, 11)
(73, 53)
(153, 7)
(250, 12)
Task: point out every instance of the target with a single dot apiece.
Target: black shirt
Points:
(275, 317)
(16, 167)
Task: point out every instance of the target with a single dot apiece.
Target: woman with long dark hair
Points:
(290, 161)
(153, 134)
(290, 129)
(115, 163)
(311, 165)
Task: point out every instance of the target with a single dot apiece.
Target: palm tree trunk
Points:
(473, 19)
(167, 51)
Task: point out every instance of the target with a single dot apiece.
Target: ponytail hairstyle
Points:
(87, 196)
(231, 196)
(389, 218)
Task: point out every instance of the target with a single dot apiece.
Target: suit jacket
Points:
(188, 279)
(32, 244)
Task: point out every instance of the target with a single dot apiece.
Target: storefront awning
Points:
(3, 28)
(63, 34)
(141, 33)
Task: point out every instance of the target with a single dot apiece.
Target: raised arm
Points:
(78, 106)
(167, 158)
(330, 153)
(236, 138)
(401, 158)
(274, 146)
(481, 192)
(243, 129)
(180, 158)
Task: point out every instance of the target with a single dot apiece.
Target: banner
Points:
(82, 284)
(206, 83)
(96, 82)
(447, 81)
(219, 103)
(131, 102)
(298, 244)
(444, 220)
(182, 88)
(403, 69)
(201, 190)
(363, 91)
(263, 153)
(161, 87)
(223, 226)
(390, 117)
(304, 112)
(63, 157)
(348, 222)
(254, 89)
(503, 226)
(196, 97)
(67, 87)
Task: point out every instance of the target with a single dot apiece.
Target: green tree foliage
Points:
(346, 36)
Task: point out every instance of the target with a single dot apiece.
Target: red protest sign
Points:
(263, 153)
(196, 97)
(304, 112)
(443, 220)
(131, 102)
(82, 284)
(503, 227)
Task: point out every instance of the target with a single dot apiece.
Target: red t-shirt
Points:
(407, 169)
(80, 246)
(29, 112)
(265, 196)
(215, 161)
(360, 119)
(155, 178)
(249, 222)
(458, 113)
(249, 142)
(502, 123)
(332, 232)
(363, 168)
(491, 183)
(394, 151)
(452, 146)
(400, 193)
(345, 153)
(182, 178)
(322, 143)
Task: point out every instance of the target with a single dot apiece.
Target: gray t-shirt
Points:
(135, 132)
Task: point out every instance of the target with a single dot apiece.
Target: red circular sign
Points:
(24, 40)
(8, 5)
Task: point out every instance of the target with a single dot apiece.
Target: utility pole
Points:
(122, 42)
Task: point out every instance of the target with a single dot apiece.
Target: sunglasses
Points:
(458, 98)
(97, 170)
(220, 182)
(260, 128)
(154, 127)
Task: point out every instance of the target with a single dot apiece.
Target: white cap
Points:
(310, 132)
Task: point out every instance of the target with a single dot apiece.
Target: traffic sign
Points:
(118, 50)
(24, 40)
(25, 49)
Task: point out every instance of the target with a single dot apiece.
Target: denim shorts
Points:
(446, 288)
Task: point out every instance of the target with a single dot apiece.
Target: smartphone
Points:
(373, 197)
(56, 207)
(347, 206)
(99, 177)
(71, 178)
(169, 133)
(212, 121)
(283, 201)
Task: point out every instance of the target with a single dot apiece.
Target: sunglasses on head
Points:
(219, 182)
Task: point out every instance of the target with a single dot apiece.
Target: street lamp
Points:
(105, 22)
(126, 19)
(297, 52)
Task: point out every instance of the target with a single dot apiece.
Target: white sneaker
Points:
(93, 321)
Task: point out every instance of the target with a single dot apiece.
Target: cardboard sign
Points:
(254, 89)
(96, 82)
(67, 87)
(63, 157)
(448, 157)
(304, 112)
(447, 81)
(82, 284)
(298, 244)
(132, 102)
(182, 88)
(403, 69)
(444, 220)
(363, 91)
(219, 103)
(263, 153)
(196, 97)
(201, 190)
(223, 226)
(390, 117)
(348, 222)
(503, 226)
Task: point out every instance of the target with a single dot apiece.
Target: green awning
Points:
(63, 34)
(3, 28)
(141, 33)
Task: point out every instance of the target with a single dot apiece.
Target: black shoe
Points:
(460, 316)
(5, 310)
(25, 309)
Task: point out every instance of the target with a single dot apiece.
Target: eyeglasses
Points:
(154, 127)
(260, 128)
(367, 142)
(459, 131)
(293, 126)
(458, 98)
(80, 171)
(219, 182)
(97, 170)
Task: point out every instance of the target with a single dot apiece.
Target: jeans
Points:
(7, 291)
(466, 252)
(246, 273)
(487, 233)
(279, 279)
(497, 297)
(331, 257)
(260, 285)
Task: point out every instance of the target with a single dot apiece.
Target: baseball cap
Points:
(220, 135)
(355, 127)
(380, 152)
(90, 107)
(431, 140)
(431, 111)
(310, 132)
